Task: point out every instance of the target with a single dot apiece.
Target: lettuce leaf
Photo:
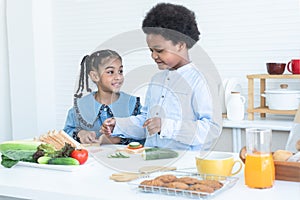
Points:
(7, 162)
(12, 157)
(21, 155)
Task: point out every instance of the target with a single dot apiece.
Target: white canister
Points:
(235, 107)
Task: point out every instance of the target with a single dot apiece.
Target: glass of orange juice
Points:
(259, 164)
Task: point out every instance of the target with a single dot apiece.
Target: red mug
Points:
(295, 64)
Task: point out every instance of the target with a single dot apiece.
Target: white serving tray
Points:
(68, 168)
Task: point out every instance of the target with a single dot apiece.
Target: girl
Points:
(87, 114)
(178, 110)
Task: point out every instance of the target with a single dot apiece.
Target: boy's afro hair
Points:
(165, 19)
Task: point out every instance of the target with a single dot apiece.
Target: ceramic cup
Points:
(294, 66)
(275, 68)
(217, 163)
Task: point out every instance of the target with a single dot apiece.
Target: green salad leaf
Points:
(22, 155)
(7, 162)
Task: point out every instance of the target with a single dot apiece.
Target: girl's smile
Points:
(112, 76)
(117, 85)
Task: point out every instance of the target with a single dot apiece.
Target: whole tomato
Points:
(81, 155)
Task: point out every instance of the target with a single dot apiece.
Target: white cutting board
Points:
(294, 135)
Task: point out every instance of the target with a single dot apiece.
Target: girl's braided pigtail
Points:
(87, 80)
(83, 72)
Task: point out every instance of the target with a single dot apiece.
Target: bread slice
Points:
(58, 139)
(66, 138)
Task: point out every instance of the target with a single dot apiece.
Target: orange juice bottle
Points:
(259, 165)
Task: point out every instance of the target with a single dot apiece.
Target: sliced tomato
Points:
(137, 147)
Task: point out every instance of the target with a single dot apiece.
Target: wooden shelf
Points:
(263, 109)
(267, 110)
(268, 76)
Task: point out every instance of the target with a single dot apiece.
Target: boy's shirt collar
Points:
(183, 68)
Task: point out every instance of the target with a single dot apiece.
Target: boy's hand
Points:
(108, 126)
(87, 137)
(153, 125)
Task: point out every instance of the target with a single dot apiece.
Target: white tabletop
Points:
(92, 182)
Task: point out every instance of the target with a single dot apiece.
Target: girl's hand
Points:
(108, 126)
(87, 137)
(153, 125)
(103, 139)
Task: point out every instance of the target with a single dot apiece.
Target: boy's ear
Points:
(94, 76)
(181, 45)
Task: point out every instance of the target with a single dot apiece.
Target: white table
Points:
(92, 182)
(237, 126)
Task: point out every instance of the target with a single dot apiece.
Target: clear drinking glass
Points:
(259, 164)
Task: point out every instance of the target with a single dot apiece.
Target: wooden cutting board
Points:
(143, 172)
(151, 169)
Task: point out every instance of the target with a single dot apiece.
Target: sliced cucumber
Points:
(134, 144)
(43, 160)
(118, 155)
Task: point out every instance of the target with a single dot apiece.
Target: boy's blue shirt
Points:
(88, 109)
(181, 98)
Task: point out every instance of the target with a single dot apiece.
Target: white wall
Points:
(31, 69)
(47, 40)
(239, 36)
(44, 65)
(5, 114)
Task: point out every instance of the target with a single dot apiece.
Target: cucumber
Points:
(158, 153)
(43, 159)
(63, 161)
(19, 145)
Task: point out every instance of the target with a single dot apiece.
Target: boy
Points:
(178, 107)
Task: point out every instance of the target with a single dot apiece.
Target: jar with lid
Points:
(235, 107)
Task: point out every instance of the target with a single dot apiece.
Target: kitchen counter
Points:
(92, 181)
(276, 124)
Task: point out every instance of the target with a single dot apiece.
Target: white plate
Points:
(68, 168)
(232, 85)
(222, 95)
